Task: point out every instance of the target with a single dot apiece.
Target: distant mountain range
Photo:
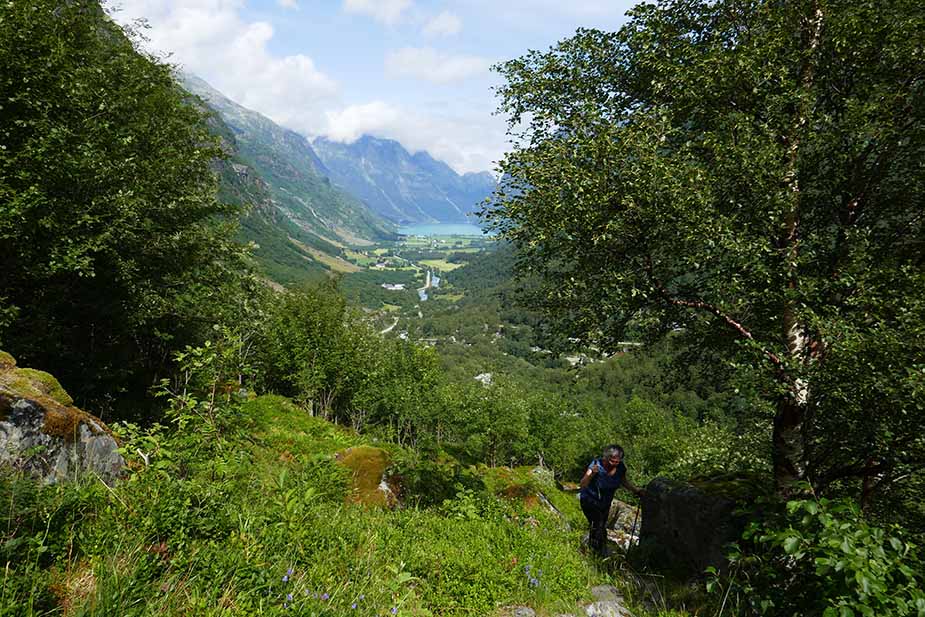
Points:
(309, 202)
(294, 175)
(404, 187)
(392, 183)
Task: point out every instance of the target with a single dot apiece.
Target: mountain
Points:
(402, 187)
(295, 179)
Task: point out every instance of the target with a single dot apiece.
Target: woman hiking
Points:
(602, 478)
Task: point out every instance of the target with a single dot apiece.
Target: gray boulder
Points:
(690, 524)
(44, 435)
(608, 602)
(624, 517)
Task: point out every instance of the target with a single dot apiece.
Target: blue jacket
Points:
(600, 490)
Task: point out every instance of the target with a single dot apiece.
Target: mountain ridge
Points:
(296, 180)
(401, 186)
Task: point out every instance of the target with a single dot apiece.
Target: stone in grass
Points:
(608, 602)
(44, 435)
(369, 485)
(624, 517)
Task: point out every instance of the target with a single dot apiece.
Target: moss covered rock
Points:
(43, 434)
(369, 485)
(6, 361)
(46, 384)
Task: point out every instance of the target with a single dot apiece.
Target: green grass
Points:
(441, 264)
(212, 526)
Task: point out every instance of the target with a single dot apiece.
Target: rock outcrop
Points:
(623, 523)
(690, 524)
(608, 602)
(369, 484)
(44, 435)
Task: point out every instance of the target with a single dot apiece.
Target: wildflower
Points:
(289, 572)
(325, 596)
(534, 582)
(354, 605)
(394, 610)
(285, 578)
(289, 597)
(362, 596)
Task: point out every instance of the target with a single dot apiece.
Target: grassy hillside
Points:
(254, 514)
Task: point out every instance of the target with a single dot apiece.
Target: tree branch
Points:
(736, 326)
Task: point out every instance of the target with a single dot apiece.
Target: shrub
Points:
(821, 557)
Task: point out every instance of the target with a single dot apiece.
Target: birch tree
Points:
(750, 173)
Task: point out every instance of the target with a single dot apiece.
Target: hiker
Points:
(598, 485)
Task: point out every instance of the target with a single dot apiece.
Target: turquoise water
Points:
(442, 229)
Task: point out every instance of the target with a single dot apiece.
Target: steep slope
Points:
(295, 177)
(402, 187)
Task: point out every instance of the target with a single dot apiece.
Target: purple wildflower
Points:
(534, 582)
(289, 597)
(285, 578)
(394, 610)
(289, 572)
(325, 596)
(354, 605)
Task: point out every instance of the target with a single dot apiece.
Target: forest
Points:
(710, 250)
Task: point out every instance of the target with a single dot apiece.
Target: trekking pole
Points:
(633, 532)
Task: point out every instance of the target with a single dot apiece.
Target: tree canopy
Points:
(750, 174)
(110, 235)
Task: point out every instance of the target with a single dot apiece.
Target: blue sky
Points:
(412, 70)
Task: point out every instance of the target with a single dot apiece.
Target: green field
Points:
(440, 264)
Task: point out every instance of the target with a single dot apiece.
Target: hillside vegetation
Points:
(682, 268)
(259, 517)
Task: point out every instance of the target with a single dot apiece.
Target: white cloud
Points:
(386, 11)
(444, 24)
(465, 144)
(349, 123)
(209, 38)
(431, 65)
(288, 4)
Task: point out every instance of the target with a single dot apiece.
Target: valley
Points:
(258, 358)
